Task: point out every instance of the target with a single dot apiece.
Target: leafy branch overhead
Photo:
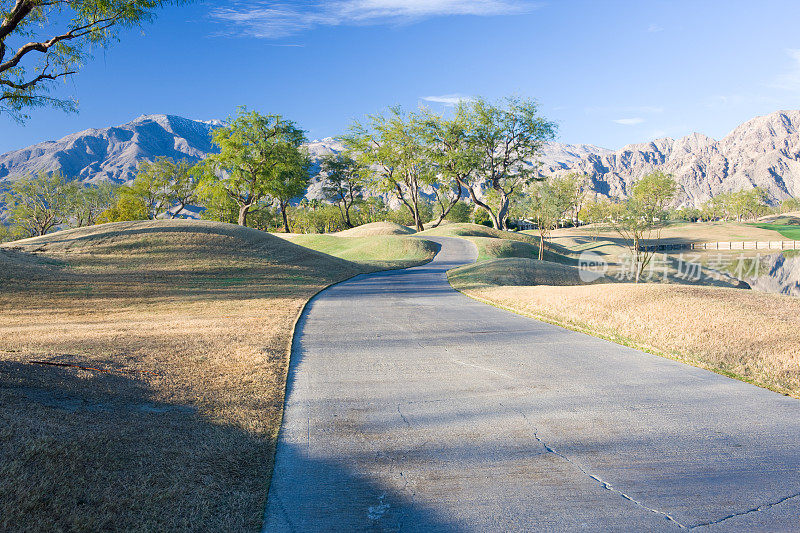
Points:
(42, 41)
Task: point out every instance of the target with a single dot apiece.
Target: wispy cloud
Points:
(790, 79)
(273, 19)
(654, 28)
(629, 121)
(447, 99)
(637, 109)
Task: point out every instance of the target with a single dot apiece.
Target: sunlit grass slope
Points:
(377, 228)
(494, 244)
(375, 252)
(513, 271)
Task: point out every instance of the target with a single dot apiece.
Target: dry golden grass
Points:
(683, 232)
(748, 335)
(183, 329)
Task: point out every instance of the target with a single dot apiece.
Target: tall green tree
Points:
(548, 202)
(506, 139)
(42, 41)
(165, 186)
(290, 182)
(256, 153)
(392, 147)
(91, 201)
(39, 204)
(344, 183)
(456, 157)
(641, 217)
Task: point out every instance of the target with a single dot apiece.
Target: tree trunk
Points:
(541, 246)
(243, 214)
(417, 219)
(285, 217)
(347, 215)
(502, 213)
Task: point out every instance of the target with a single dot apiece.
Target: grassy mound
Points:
(496, 244)
(465, 229)
(514, 272)
(783, 219)
(376, 228)
(494, 248)
(375, 251)
(142, 371)
(789, 230)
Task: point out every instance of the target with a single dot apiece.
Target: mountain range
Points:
(762, 152)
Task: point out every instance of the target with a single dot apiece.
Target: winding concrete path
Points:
(411, 407)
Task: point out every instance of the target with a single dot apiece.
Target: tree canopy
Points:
(42, 41)
(259, 156)
(642, 216)
(392, 146)
(491, 148)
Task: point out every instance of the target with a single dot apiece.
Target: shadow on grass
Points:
(89, 450)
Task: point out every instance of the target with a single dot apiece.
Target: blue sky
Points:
(608, 72)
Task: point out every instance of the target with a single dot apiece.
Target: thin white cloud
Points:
(739, 100)
(447, 99)
(629, 121)
(273, 19)
(635, 109)
(789, 80)
(654, 28)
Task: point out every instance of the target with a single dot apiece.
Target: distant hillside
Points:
(95, 155)
(763, 152)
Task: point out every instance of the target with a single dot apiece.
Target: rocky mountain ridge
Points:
(762, 152)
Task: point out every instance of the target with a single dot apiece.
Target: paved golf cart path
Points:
(411, 407)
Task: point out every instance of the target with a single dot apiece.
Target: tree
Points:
(573, 186)
(642, 216)
(291, 181)
(165, 186)
(790, 204)
(54, 38)
(460, 212)
(255, 153)
(91, 201)
(149, 188)
(744, 204)
(373, 209)
(595, 212)
(549, 202)
(39, 204)
(127, 207)
(5, 233)
(506, 140)
(393, 150)
(343, 183)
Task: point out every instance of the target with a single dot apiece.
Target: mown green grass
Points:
(790, 231)
(378, 252)
(513, 271)
(465, 229)
(496, 244)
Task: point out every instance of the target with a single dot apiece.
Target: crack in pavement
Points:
(408, 424)
(604, 484)
(760, 508)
